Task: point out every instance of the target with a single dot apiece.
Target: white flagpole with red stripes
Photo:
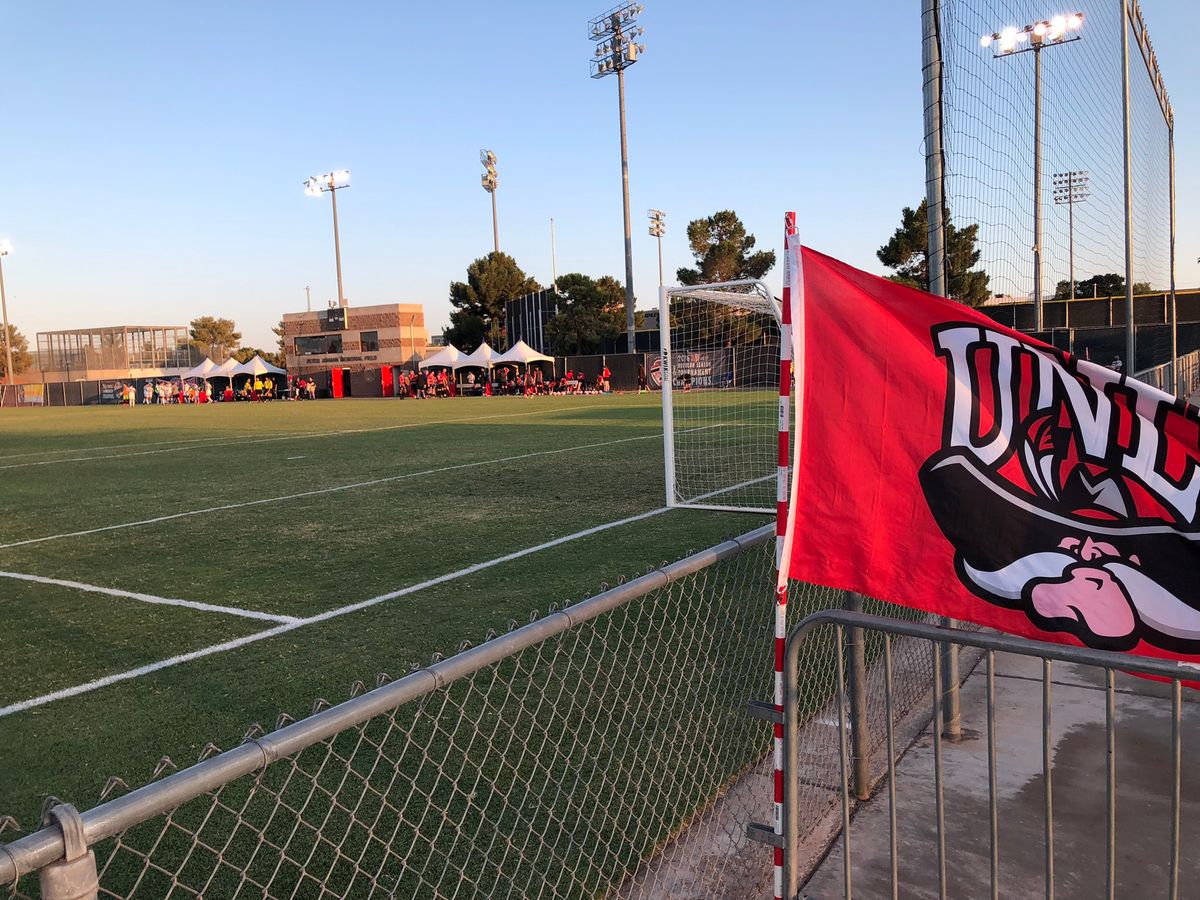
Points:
(791, 295)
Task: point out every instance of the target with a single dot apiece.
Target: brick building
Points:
(357, 350)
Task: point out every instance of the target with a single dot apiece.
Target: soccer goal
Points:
(720, 394)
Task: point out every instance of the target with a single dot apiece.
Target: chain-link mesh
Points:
(612, 759)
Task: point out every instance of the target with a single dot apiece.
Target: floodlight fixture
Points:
(1071, 188)
(489, 180)
(330, 183)
(1043, 33)
(658, 228)
(1009, 41)
(616, 34)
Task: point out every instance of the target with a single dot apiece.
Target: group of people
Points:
(505, 381)
(423, 384)
(166, 391)
(303, 389)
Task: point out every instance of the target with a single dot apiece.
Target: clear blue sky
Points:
(155, 152)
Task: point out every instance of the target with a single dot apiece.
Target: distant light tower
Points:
(658, 227)
(489, 180)
(1070, 188)
(9, 374)
(331, 183)
(615, 33)
(1039, 35)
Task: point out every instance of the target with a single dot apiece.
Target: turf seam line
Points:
(236, 643)
(326, 490)
(151, 598)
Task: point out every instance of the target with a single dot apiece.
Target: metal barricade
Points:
(928, 865)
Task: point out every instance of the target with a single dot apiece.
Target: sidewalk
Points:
(1143, 740)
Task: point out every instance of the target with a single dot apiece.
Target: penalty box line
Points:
(237, 643)
(151, 598)
(387, 479)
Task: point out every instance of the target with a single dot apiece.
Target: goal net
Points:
(720, 395)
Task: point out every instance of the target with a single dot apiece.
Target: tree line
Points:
(591, 310)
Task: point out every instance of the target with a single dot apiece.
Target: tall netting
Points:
(988, 140)
(721, 395)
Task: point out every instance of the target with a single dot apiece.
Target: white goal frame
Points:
(748, 294)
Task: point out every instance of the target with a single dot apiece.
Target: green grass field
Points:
(275, 525)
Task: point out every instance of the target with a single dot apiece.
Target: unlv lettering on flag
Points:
(951, 464)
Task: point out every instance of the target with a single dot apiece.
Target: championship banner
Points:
(953, 465)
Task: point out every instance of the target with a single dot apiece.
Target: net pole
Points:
(781, 530)
(1130, 335)
(668, 397)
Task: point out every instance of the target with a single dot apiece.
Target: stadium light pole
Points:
(658, 227)
(330, 183)
(553, 258)
(9, 374)
(615, 33)
(489, 180)
(1009, 42)
(1070, 188)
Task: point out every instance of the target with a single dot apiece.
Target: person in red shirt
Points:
(605, 382)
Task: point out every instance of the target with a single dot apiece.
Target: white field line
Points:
(299, 623)
(291, 436)
(387, 479)
(151, 598)
(106, 447)
(234, 644)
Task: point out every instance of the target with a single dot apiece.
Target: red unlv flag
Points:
(951, 464)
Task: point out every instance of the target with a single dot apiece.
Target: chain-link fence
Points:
(603, 749)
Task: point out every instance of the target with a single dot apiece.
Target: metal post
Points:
(308, 296)
(1130, 344)
(931, 63)
(337, 244)
(9, 374)
(1173, 311)
(1038, 321)
(860, 743)
(629, 322)
(660, 262)
(935, 200)
(74, 876)
(1071, 251)
(553, 258)
(495, 222)
(951, 709)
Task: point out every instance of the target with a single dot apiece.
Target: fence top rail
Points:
(1007, 643)
(34, 851)
(1184, 358)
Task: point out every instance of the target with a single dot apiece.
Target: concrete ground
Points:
(1143, 737)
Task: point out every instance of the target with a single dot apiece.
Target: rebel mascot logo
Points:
(1067, 491)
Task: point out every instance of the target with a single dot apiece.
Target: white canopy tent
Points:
(482, 358)
(225, 369)
(257, 366)
(206, 369)
(446, 357)
(521, 353)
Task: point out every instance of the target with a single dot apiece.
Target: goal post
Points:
(720, 395)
